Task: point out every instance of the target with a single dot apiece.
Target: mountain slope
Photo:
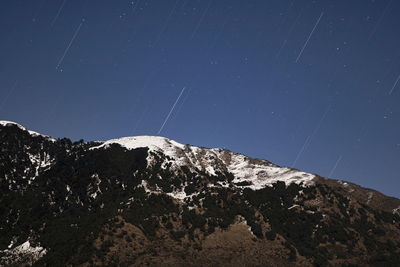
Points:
(252, 173)
(150, 200)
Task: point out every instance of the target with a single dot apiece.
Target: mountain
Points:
(149, 200)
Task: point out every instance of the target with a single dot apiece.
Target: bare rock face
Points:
(149, 200)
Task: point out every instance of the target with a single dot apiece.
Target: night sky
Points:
(307, 84)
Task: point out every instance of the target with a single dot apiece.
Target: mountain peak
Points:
(248, 172)
(133, 142)
(8, 123)
(32, 133)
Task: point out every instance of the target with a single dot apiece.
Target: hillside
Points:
(152, 201)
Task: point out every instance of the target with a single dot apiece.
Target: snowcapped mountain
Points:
(251, 173)
(150, 200)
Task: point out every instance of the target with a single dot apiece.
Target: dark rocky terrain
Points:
(152, 201)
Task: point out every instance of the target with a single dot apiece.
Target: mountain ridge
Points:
(160, 142)
(125, 202)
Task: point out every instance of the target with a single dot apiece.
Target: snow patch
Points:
(146, 189)
(22, 254)
(370, 196)
(181, 195)
(11, 244)
(40, 162)
(262, 173)
(93, 189)
(396, 211)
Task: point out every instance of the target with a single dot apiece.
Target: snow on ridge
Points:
(256, 172)
(262, 174)
(7, 123)
(32, 133)
(153, 142)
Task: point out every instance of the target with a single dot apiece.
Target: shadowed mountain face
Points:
(150, 200)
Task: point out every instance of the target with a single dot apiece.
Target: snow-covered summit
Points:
(253, 173)
(156, 143)
(7, 123)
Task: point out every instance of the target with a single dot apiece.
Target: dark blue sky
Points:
(309, 84)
